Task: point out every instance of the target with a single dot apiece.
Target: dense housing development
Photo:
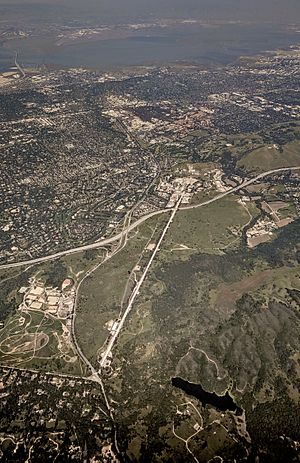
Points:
(81, 150)
(149, 261)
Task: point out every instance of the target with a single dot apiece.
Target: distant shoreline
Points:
(120, 47)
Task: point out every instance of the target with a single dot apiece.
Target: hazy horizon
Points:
(111, 11)
(244, 28)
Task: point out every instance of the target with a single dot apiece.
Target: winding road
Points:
(99, 244)
(122, 239)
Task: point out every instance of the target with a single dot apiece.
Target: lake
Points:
(221, 402)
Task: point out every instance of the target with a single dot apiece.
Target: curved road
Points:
(99, 244)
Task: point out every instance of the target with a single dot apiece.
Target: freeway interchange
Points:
(117, 237)
(121, 239)
(95, 373)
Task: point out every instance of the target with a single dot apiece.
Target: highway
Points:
(95, 245)
(136, 290)
(240, 186)
(18, 66)
(99, 244)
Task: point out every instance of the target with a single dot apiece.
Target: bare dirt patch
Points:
(26, 343)
(228, 295)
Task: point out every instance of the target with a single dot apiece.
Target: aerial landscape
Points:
(150, 231)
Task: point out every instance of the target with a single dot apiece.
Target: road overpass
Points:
(106, 241)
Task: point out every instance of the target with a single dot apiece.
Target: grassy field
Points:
(102, 292)
(73, 266)
(214, 317)
(210, 228)
(270, 157)
(263, 285)
(277, 285)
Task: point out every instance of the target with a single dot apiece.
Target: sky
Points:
(115, 11)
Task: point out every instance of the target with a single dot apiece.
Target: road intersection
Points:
(137, 287)
(132, 226)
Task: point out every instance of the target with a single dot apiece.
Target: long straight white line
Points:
(137, 287)
(99, 244)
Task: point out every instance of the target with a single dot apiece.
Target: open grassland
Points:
(102, 293)
(79, 263)
(226, 321)
(262, 285)
(203, 195)
(271, 157)
(279, 286)
(74, 266)
(210, 228)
